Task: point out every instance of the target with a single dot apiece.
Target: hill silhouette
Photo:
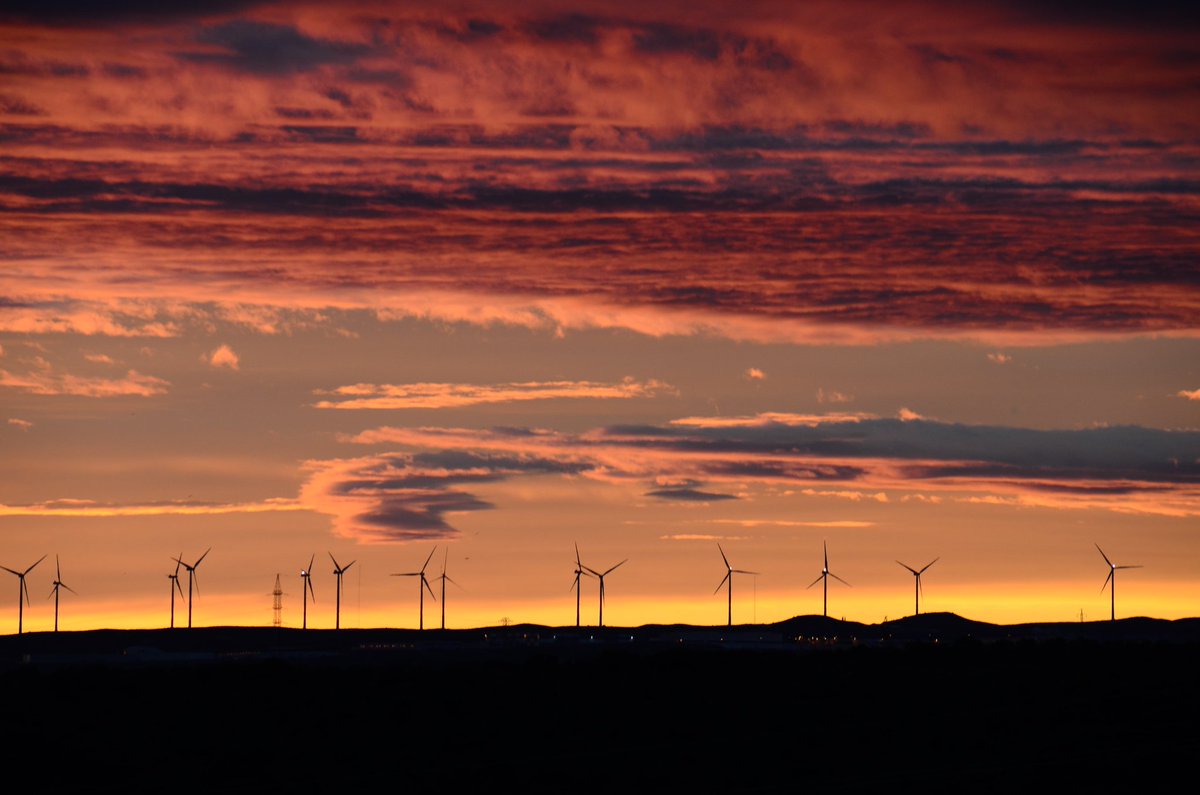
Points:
(933, 701)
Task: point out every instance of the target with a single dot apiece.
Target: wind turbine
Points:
(22, 591)
(825, 575)
(1112, 575)
(444, 577)
(730, 571)
(191, 570)
(175, 586)
(601, 577)
(338, 571)
(917, 589)
(423, 586)
(580, 571)
(58, 583)
(306, 588)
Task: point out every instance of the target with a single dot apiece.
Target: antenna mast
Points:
(278, 603)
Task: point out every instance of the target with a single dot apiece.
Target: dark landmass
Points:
(932, 702)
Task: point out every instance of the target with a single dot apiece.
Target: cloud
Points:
(403, 497)
(687, 494)
(833, 396)
(93, 509)
(44, 381)
(771, 418)
(19, 424)
(1121, 469)
(222, 356)
(441, 395)
(754, 374)
(268, 49)
(99, 358)
(908, 415)
(833, 523)
(999, 358)
(1193, 394)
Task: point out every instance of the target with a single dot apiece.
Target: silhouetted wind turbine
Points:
(601, 577)
(825, 575)
(1112, 575)
(580, 570)
(58, 583)
(22, 591)
(306, 588)
(192, 578)
(917, 589)
(729, 572)
(338, 571)
(444, 577)
(423, 586)
(175, 586)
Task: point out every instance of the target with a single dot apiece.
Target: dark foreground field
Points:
(523, 711)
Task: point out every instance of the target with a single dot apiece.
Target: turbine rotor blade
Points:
(429, 558)
(1139, 566)
(1106, 579)
(727, 576)
(202, 557)
(930, 563)
(839, 579)
(910, 568)
(614, 568)
(10, 571)
(1101, 551)
(348, 565)
(588, 569)
(814, 582)
(723, 555)
(34, 566)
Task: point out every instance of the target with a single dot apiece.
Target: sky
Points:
(479, 282)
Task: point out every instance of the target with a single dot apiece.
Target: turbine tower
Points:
(422, 587)
(338, 571)
(729, 572)
(1112, 576)
(580, 571)
(175, 586)
(444, 577)
(192, 579)
(917, 589)
(825, 575)
(58, 583)
(601, 577)
(22, 592)
(306, 588)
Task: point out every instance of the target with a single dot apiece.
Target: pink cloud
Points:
(833, 396)
(1193, 394)
(19, 424)
(754, 374)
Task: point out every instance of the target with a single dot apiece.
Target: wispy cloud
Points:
(441, 395)
(770, 418)
(48, 382)
(754, 374)
(20, 424)
(1189, 394)
(94, 509)
(833, 396)
(999, 358)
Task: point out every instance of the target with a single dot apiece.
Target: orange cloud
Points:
(1193, 394)
(46, 382)
(438, 396)
(222, 356)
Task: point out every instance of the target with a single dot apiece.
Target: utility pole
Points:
(278, 604)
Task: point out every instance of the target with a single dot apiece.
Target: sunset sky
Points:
(918, 279)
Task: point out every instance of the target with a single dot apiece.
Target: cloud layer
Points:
(396, 496)
(804, 172)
